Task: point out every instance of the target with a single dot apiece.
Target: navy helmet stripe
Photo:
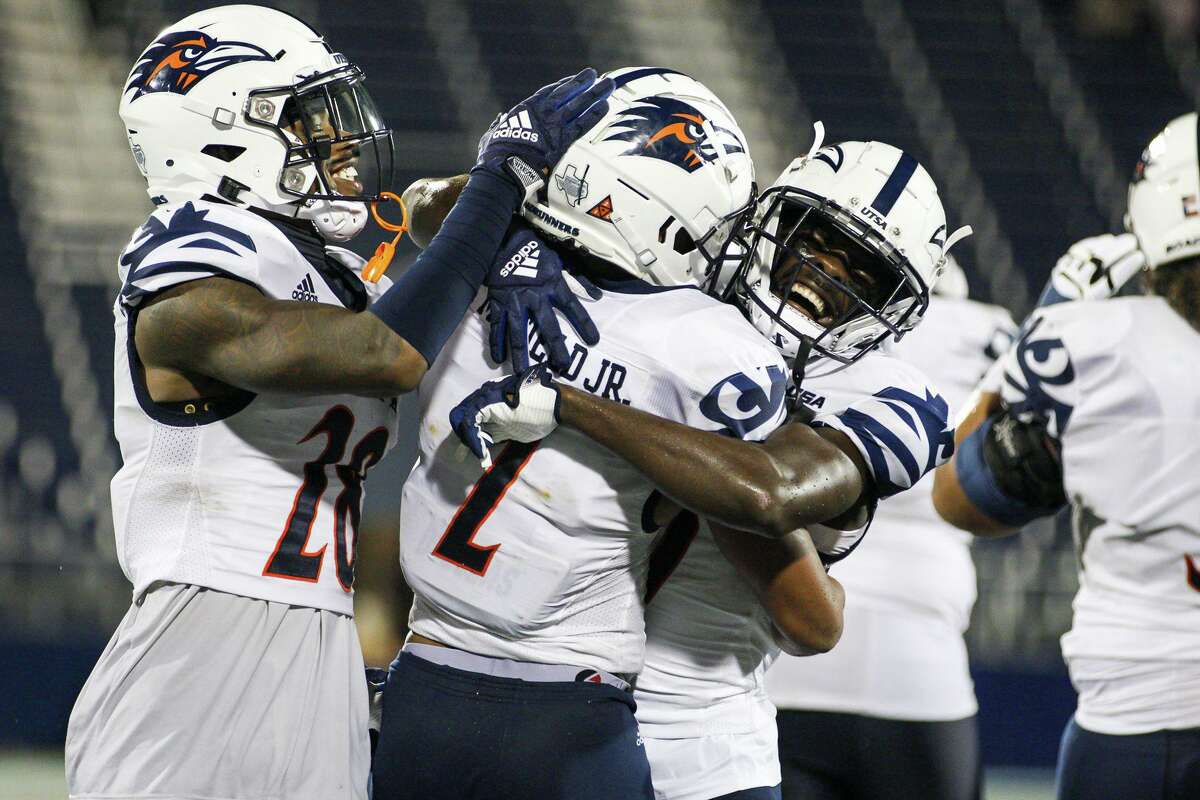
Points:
(629, 77)
(895, 184)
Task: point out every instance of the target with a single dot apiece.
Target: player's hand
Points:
(832, 544)
(520, 408)
(526, 142)
(1094, 269)
(527, 282)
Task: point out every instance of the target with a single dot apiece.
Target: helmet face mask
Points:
(825, 278)
(338, 147)
(840, 253)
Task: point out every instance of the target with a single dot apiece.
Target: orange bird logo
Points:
(673, 131)
(178, 61)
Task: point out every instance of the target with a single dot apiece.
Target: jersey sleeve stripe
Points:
(879, 439)
(153, 280)
(208, 244)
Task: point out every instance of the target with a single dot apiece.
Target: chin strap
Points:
(379, 262)
(800, 364)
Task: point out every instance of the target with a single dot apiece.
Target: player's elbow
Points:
(812, 633)
(791, 501)
(389, 364)
(764, 510)
(409, 369)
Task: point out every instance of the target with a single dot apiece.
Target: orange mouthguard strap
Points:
(379, 262)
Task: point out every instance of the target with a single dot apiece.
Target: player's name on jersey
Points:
(604, 379)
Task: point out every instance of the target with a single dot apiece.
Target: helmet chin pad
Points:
(337, 220)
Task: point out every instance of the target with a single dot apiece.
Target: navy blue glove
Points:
(526, 282)
(519, 408)
(526, 142)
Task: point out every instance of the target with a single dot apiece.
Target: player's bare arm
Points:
(200, 338)
(804, 602)
(798, 476)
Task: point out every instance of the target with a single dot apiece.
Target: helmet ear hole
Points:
(684, 243)
(223, 152)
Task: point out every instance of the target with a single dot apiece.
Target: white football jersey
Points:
(910, 586)
(709, 641)
(542, 557)
(259, 494)
(1117, 382)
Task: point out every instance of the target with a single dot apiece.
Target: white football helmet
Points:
(251, 105)
(657, 186)
(1164, 196)
(841, 252)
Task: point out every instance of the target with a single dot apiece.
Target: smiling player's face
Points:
(818, 245)
(340, 168)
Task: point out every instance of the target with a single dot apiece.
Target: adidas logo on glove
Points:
(517, 126)
(524, 262)
(305, 292)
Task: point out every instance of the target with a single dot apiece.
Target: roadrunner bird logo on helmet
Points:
(179, 59)
(672, 130)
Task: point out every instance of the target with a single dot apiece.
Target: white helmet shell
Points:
(1164, 196)
(656, 186)
(953, 282)
(884, 201)
(204, 109)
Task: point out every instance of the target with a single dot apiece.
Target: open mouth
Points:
(812, 301)
(345, 179)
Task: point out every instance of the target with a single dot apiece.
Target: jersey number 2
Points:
(457, 545)
(291, 559)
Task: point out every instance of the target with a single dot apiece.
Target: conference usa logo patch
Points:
(178, 61)
(672, 131)
(739, 404)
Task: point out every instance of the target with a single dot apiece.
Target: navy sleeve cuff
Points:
(979, 485)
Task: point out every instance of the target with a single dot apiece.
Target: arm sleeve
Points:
(184, 244)
(902, 430)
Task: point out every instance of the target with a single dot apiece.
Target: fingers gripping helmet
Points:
(656, 186)
(1164, 196)
(251, 104)
(879, 212)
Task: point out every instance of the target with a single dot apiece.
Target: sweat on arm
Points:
(798, 476)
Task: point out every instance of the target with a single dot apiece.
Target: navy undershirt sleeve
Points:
(427, 302)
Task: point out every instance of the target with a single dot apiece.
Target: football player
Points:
(1097, 405)
(840, 255)
(252, 396)
(898, 682)
(528, 575)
